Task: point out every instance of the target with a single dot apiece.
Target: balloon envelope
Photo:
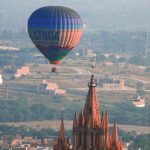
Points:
(55, 31)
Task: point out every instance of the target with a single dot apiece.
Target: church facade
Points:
(90, 129)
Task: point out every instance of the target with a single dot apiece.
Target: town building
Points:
(111, 84)
(30, 143)
(23, 71)
(84, 52)
(1, 80)
(90, 129)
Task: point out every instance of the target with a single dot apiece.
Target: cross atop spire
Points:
(92, 82)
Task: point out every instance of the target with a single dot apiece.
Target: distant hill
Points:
(97, 14)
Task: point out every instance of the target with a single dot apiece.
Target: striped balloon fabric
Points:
(55, 31)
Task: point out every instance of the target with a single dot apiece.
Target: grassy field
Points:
(38, 125)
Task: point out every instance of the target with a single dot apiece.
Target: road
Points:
(84, 71)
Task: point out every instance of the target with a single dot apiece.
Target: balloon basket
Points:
(54, 69)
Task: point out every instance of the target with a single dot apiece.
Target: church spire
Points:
(61, 141)
(120, 144)
(75, 121)
(115, 135)
(62, 131)
(91, 109)
(106, 122)
(81, 119)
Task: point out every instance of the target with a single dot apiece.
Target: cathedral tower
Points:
(90, 130)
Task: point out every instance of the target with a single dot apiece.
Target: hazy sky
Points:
(99, 14)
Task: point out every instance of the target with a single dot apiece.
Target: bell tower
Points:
(90, 130)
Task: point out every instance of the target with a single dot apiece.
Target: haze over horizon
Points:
(96, 14)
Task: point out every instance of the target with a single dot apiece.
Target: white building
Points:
(1, 80)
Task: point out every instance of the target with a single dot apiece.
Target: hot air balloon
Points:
(55, 31)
